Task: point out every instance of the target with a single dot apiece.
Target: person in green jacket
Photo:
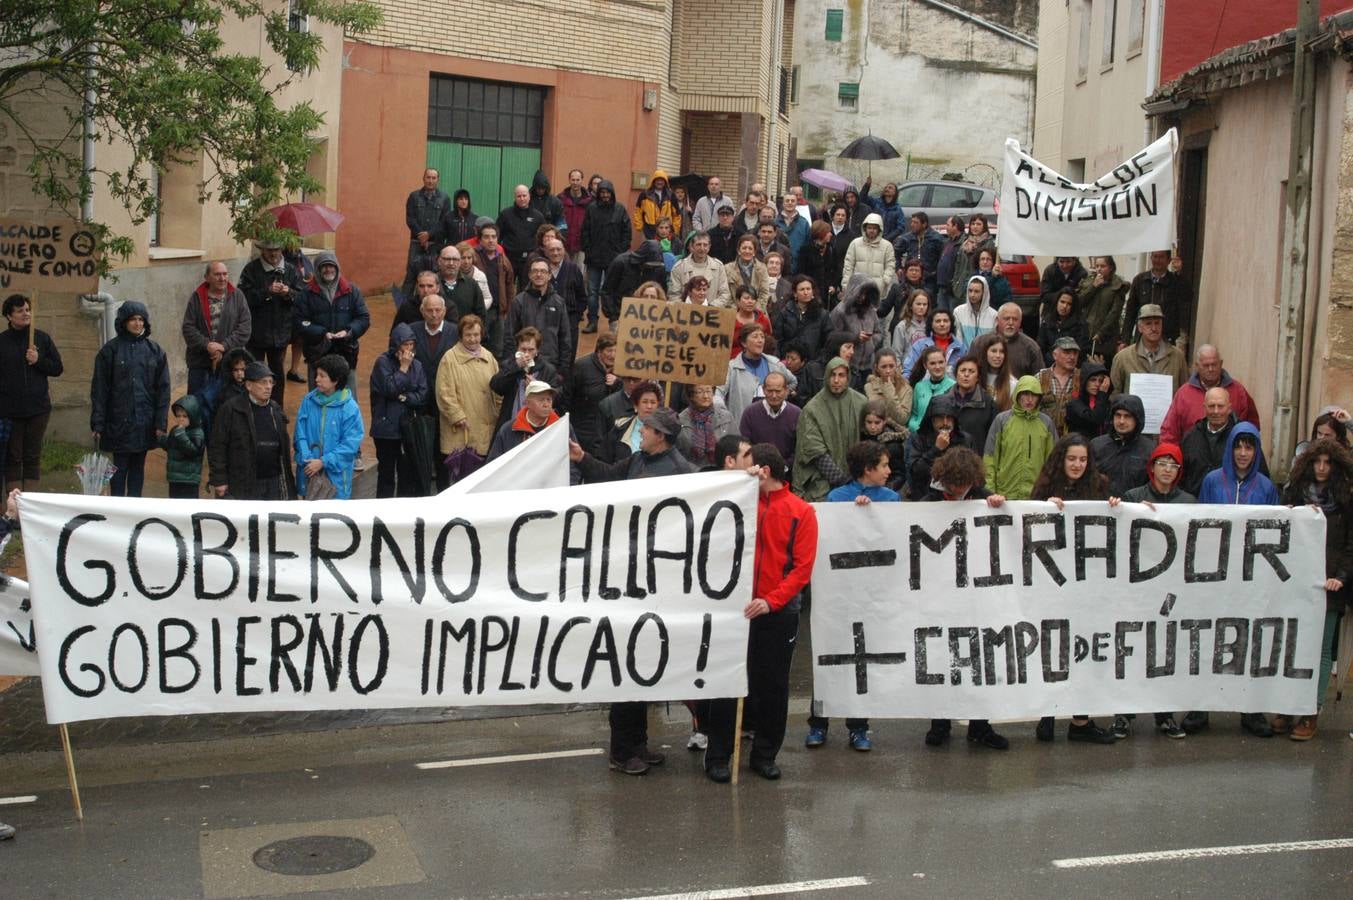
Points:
(184, 445)
(828, 426)
(1019, 441)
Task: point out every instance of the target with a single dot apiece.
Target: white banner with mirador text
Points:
(1128, 210)
(608, 592)
(958, 610)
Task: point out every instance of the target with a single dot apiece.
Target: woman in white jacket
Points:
(869, 254)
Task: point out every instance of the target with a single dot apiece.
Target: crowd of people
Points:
(874, 360)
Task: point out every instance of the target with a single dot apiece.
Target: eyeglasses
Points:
(1166, 463)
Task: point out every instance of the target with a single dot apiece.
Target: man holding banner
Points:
(786, 550)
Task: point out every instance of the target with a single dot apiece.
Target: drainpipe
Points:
(1295, 248)
(777, 42)
(1155, 24)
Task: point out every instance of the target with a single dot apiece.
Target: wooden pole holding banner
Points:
(70, 773)
(32, 319)
(737, 740)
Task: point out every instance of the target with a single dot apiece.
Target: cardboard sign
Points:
(57, 255)
(669, 341)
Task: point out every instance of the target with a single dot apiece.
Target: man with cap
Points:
(249, 454)
(270, 285)
(536, 414)
(1022, 352)
(1060, 381)
(1151, 354)
(657, 456)
(723, 237)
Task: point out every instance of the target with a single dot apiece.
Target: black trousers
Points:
(130, 476)
(23, 453)
(629, 729)
(394, 472)
(182, 490)
(975, 726)
(770, 651)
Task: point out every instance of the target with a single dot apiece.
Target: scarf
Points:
(702, 435)
(1322, 497)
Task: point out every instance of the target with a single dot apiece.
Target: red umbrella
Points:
(307, 218)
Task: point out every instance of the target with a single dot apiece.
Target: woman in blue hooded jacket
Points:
(329, 429)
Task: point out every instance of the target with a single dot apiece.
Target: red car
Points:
(1025, 282)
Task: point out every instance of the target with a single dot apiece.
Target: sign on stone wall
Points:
(48, 255)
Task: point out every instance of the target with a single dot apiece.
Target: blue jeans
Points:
(594, 279)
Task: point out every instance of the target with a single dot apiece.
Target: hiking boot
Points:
(1045, 731)
(1304, 730)
(1280, 724)
(1089, 733)
(816, 738)
(1121, 727)
(1170, 728)
(938, 735)
(719, 772)
(1194, 722)
(859, 740)
(1256, 724)
(632, 766)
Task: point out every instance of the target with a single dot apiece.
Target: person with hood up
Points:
(215, 320)
(975, 317)
(1323, 477)
(183, 446)
(329, 432)
(1088, 412)
(929, 378)
(1164, 474)
(517, 227)
(605, 235)
(226, 386)
(858, 314)
(331, 314)
(399, 385)
(828, 426)
(460, 224)
(894, 218)
(658, 202)
(539, 307)
(1020, 441)
(869, 254)
(937, 433)
(626, 272)
(1122, 454)
(545, 203)
(129, 397)
(1239, 481)
(249, 454)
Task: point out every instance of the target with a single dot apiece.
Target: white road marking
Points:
(520, 757)
(15, 801)
(1202, 853)
(764, 890)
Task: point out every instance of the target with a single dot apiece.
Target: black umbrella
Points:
(419, 433)
(693, 183)
(870, 148)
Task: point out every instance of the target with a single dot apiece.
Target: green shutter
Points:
(848, 90)
(835, 18)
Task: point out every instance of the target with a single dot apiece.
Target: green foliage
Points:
(162, 82)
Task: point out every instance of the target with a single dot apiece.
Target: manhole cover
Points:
(313, 855)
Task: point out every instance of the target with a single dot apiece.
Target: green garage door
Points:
(485, 137)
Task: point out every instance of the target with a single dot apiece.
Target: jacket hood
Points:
(605, 185)
(945, 404)
(834, 363)
(193, 407)
(1132, 404)
(327, 258)
(462, 193)
(234, 355)
(541, 182)
(855, 286)
(649, 252)
(1228, 463)
(872, 219)
(986, 294)
(399, 334)
(1090, 370)
(128, 309)
(1028, 383)
(659, 173)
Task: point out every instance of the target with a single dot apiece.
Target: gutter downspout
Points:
(1155, 27)
(109, 304)
(773, 79)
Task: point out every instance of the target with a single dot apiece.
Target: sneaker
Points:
(938, 735)
(651, 757)
(7, 831)
(589, 328)
(1170, 728)
(632, 766)
(859, 740)
(1304, 730)
(1194, 722)
(1280, 724)
(816, 738)
(1089, 733)
(697, 741)
(1256, 724)
(1045, 730)
(988, 737)
(1121, 727)
(358, 464)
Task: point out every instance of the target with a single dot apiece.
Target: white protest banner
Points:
(1156, 393)
(958, 610)
(18, 649)
(1128, 210)
(608, 592)
(539, 462)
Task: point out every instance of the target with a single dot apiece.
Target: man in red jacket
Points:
(786, 547)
